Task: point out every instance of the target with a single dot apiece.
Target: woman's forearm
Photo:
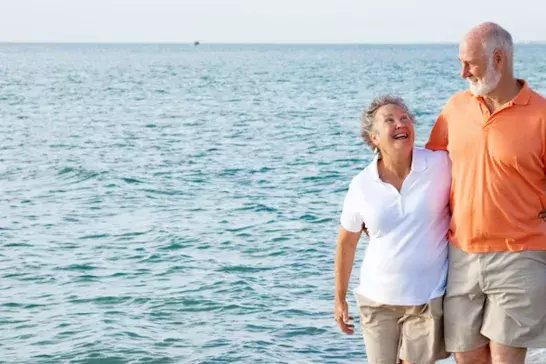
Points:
(345, 254)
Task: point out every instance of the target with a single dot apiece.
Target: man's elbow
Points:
(435, 146)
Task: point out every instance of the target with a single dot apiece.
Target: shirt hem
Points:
(498, 248)
(401, 301)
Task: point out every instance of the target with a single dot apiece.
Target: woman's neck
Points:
(398, 165)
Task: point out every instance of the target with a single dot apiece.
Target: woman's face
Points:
(393, 130)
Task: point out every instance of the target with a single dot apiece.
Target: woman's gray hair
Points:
(368, 117)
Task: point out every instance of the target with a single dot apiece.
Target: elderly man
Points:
(495, 133)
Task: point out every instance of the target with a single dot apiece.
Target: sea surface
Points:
(180, 204)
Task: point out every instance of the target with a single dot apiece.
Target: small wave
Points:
(94, 236)
(18, 245)
(278, 253)
(230, 172)
(241, 228)
(78, 267)
(175, 246)
(279, 239)
(244, 269)
(300, 331)
(34, 305)
(218, 343)
(164, 192)
(257, 207)
(77, 175)
(131, 180)
(133, 233)
(323, 221)
(296, 313)
(104, 300)
(13, 305)
(262, 170)
(87, 278)
(154, 258)
(170, 116)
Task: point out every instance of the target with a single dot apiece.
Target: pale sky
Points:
(264, 21)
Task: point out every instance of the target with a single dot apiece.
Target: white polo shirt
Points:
(405, 262)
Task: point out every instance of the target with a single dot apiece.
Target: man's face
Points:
(477, 67)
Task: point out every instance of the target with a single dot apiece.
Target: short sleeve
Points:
(351, 218)
(438, 139)
(543, 133)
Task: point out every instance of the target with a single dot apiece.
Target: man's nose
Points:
(465, 73)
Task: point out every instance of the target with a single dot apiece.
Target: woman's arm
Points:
(345, 255)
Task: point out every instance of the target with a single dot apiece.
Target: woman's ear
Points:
(374, 138)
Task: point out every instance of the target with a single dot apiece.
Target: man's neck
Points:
(505, 92)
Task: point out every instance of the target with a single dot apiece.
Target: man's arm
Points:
(438, 139)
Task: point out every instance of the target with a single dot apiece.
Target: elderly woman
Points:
(401, 201)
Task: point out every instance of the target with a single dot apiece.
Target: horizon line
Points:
(201, 42)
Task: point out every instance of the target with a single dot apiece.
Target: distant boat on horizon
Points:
(196, 43)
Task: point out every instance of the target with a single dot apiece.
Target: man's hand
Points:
(341, 315)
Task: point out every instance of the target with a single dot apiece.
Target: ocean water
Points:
(180, 204)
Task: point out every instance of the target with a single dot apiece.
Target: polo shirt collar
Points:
(418, 164)
(522, 98)
(524, 95)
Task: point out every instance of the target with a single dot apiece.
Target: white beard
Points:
(488, 83)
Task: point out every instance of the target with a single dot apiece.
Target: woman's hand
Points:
(365, 229)
(345, 255)
(341, 315)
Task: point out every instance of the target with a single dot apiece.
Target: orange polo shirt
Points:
(498, 171)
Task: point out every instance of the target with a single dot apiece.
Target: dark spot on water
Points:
(97, 236)
(244, 269)
(154, 258)
(12, 304)
(132, 180)
(79, 267)
(87, 278)
(280, 238)
(17, 245)
(322, 221)
(31, 306)
(66, 170)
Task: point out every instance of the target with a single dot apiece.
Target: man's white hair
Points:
(496, 37)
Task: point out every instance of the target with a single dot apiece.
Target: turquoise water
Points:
(177, 204)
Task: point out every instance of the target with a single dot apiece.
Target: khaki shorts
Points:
(495, 296)
(413, 333)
